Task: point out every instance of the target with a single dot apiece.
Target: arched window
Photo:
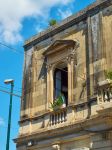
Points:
(57, 82)
(61, 56)
(61, 83)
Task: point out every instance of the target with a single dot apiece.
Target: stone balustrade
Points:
(58, 117)
(107, 94)
(105, 91)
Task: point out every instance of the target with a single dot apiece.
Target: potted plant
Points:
(108, 74)
(108, 80)
(52, 22)
(58, 103)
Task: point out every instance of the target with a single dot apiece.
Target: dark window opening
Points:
(61, 83)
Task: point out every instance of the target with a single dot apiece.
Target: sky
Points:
(20, 20)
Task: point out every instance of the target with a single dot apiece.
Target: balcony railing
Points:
(58, 117)
(105, 91)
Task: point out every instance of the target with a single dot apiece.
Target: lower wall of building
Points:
(94, 141)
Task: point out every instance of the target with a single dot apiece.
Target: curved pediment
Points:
(59, 45)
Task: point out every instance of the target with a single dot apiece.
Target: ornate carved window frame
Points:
(61, 51)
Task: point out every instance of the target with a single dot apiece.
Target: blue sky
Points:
(19, 20)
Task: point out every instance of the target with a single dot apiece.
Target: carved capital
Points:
(71, 58)
(73, 54)
(48, 66)
(73, 51)
(68, 59)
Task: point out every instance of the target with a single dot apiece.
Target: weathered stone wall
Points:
(79, 34)
(107, 35)
(92, 141)
(93, 57)
(101, 141)
(38, 70)
(86, 124)
(27, 83)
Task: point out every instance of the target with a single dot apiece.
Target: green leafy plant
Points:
(52, 22)
(58, 102)
(108, 74)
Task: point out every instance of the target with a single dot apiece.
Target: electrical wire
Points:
(10, 93)
(17, 51)
(14, 50)
(20, 52)
(9, 89)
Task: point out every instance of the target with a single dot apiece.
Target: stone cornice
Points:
(82, 125)
(68, 22)
(58, 45)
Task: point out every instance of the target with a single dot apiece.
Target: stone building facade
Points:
(69, 58)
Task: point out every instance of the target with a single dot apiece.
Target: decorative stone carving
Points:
(73, 54)
(56, 147)
(70, 58)
(73, 51)
(48, 66)
(104, 91)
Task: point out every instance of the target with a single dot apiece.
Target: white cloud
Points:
(1, 121)
(38, 28)
(65, 14)
(13, 12)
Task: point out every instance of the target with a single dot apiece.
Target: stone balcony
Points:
(105, 91)
(71, 114)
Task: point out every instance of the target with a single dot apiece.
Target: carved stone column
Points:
(70, 80)
(89, 61)
(49, 84)
(71, 72)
